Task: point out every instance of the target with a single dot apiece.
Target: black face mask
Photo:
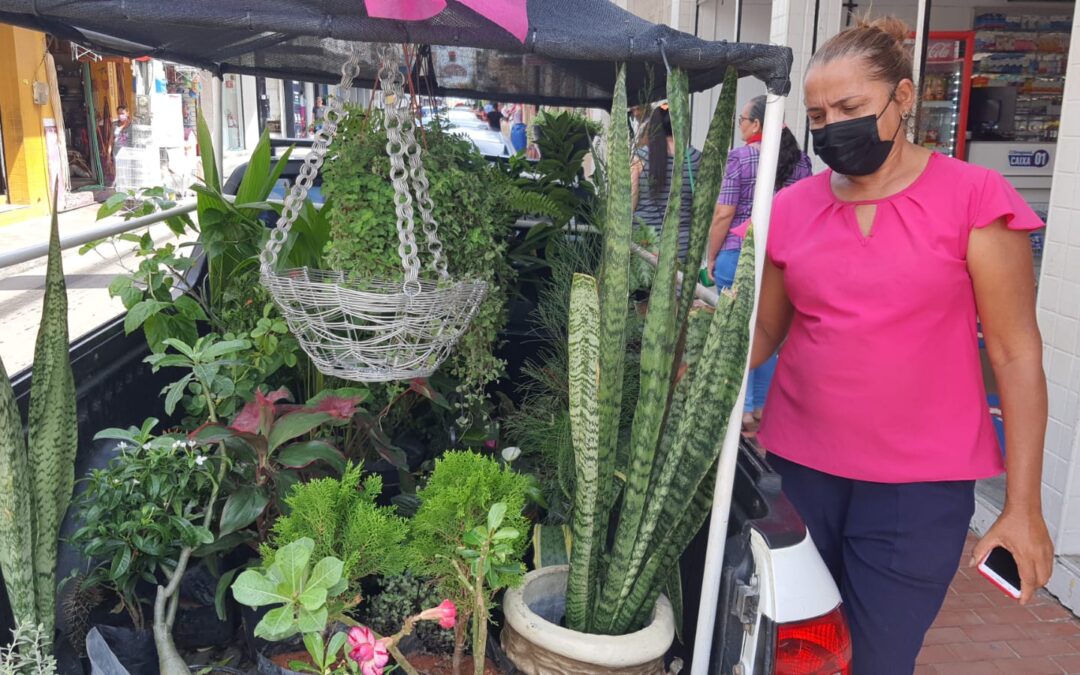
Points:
(853, 147)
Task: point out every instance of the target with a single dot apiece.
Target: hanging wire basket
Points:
(374, 330)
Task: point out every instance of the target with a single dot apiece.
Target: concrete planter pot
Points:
(537, 645)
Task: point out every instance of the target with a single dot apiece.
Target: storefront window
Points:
(233, 110)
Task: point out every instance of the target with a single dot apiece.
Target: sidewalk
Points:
(36, 230)
(982, 631)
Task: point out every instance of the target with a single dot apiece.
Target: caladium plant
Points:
(272, 442)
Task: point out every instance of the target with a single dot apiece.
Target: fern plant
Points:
(341, 518)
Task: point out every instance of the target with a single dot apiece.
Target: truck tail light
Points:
(820, 646)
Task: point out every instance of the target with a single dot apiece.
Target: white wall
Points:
(1059, 319)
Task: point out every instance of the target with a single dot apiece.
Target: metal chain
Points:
(294, 201)
(399, 126)
(420, 186)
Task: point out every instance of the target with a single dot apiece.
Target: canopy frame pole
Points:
(725, 477)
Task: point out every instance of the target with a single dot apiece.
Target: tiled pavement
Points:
(981, 631)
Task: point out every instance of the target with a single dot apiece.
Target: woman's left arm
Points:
(999, 261)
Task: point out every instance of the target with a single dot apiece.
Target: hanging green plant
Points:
(474, 205)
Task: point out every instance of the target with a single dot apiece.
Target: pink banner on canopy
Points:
(511, 15)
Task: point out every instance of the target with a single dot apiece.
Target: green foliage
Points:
(472, 206)
(306, 592)
(457, 498)
(225, 370)
(30, 652)
(274, 445)
(400, 597)
(341, 518)
(564, 140)
(140, 511)
(37, 473)
(470, 535)
(692, 365)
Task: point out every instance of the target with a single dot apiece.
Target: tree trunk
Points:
(459, 643)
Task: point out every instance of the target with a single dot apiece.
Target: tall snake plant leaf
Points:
(707, 183)
(16, 510)
(584, 366)
(657, 368)
(698, 438)
(53, 434)
(614, 283)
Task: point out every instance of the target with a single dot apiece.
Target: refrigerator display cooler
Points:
(946, 93)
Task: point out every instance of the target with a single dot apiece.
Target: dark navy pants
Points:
(893, 550)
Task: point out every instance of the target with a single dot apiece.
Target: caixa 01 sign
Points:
(1035, 159)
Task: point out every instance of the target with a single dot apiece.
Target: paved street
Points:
(982, 631)
(88, 278)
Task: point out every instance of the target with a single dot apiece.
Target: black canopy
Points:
(566, 59)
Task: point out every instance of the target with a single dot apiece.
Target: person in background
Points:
(732, 216)
(650, 174)
(121, 130)
(318, 112)
(877, 272)
(519, 137)
(495, 117)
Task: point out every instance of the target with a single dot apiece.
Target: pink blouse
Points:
(880, 378)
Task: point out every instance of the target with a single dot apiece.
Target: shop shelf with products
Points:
(943, 107)
(1020, 63)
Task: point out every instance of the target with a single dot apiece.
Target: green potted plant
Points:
(691, 368)
(470, 535)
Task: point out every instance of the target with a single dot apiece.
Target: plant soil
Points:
(440, 664)
(286, 658)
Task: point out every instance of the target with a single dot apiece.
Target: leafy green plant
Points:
(457, 499)
(141, 510)
(225, 370)
(30, 652)
(691, 361)
(342, 520)
(471, 207)
(37, 472)
(307, 593)
(488, 561)
(272, 442)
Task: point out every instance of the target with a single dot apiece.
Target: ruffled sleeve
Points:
(997, 199)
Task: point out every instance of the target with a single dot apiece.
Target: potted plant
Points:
(310, 600)
(144, 516)
(469, 535)
(691, 367)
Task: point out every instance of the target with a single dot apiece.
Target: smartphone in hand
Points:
(1000, 568)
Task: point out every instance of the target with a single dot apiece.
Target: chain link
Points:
(401, 143)
(294, 201)
(399, 125)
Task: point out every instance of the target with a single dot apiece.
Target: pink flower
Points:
(370, 653)
(445, 614)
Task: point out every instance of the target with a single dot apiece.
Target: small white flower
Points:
(135, 481)
(200, 460)
(509, 454)
(146, 446)
(123, 445)
(191, 444)
(177, 445)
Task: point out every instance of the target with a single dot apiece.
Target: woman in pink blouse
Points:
(877, 272)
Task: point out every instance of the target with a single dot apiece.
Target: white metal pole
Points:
(218, 126)
(725, 477)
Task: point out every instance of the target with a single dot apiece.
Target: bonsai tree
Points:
(469, 534)
(691, 368)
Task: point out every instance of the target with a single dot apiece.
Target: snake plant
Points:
(36, 476)
(692, 365)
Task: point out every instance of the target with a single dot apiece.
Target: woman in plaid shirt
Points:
(732, 217)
